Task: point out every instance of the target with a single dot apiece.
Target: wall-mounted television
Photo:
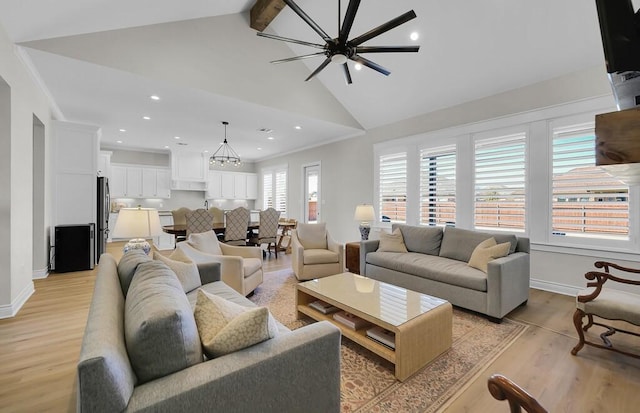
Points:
(620, 31)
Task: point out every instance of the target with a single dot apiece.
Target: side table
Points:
(352, 257)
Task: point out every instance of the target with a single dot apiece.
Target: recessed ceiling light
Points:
(206, 151)
(298, 127)
(357, 66)
(270, 138)
(123, 130)
(166, 146)
(414, 36)
(118, 141)
(176, 137)
(259, 149)
(146, 118)
(154, 97)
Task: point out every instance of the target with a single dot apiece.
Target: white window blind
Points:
(267, 190)
(500, 171)
(393, 187)
(438, 185)
(280, 192)
(587, 201)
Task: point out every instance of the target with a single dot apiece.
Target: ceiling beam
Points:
(263, 13)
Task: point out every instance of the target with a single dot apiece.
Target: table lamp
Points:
(137, 224)
(366, 215)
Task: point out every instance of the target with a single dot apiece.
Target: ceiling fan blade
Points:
(349, 16)
(347, 75)
(366, 62)
(386, 49)
(308, 20)
(291, 59)
(383, 28)
(319, 69)
(286, 39)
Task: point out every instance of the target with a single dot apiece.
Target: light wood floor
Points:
(39, 349)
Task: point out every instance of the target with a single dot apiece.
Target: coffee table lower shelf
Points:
(417, 341)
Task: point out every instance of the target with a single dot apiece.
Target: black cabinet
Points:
(74, 247)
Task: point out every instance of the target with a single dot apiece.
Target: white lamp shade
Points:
(137, 223)
(364, 213)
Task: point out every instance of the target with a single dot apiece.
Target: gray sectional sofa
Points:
(436, 264)
(294, 371)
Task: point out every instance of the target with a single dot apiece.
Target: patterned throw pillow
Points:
(225, 327)
(185, 269)
(488, 250)
(392, 242)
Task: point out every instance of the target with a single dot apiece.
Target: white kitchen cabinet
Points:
(252, 186)
(240, 186)
(189, 166)
(149, 182)
(134, 182)
(104, 164)
(118, 181)
(232, 185)
(227, 185)
(163, 183)
(214, 186)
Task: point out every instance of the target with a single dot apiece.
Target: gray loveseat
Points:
(436, 264)
(294, 371)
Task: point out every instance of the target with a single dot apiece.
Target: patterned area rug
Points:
(367, 381)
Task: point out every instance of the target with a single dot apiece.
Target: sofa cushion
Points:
(225, 327)
(314, 256)
(128, 265)
(160, 329)
(251, 265)
(426, 240)
(312, 236)
(205, 242)
(185, 269)
(487, 250)
(391, 242)
(434, 268)
(458, 244)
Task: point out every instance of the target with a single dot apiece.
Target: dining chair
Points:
(180, 218)
(198, 221)
(268, 230)
(217, 214)
(236, 226)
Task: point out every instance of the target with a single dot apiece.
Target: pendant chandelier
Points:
(225, 154)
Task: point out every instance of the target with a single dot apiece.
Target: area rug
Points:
(367, 380)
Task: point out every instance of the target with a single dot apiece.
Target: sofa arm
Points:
(297, 254)
(508, 281)
(241, 251)
(336, 247)
(295, 369)
(365, 248)
(209, 272)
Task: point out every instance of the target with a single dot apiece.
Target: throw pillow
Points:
(206, 242)
(185, 269)
(127, 267)
(225, 327)
(487, 250)
(425, 240)
(161, 335)
(312, 236)
(392, 242)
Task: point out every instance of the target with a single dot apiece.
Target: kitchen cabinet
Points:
(252, 186)
(104, 164)
(240, 186)
(232, 185)
(214, 186)
(134, 182)
(189, 166)
(139, 182)
(163, 183)
(118, 181)
(155, 183)
(227, 186)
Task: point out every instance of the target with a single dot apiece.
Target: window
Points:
(586, 200)
(500, 171)
(274, 189)
(393, 187)
(438, 186)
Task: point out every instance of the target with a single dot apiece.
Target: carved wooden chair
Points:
(501, 388)
(606, 303)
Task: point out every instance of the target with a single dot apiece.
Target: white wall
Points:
(27, 99)
(348, 168)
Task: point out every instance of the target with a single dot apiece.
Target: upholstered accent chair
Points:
(608, 304)
(235, 232)
(241, 267)
(198, 221)
(268, 230)
(180, 218)
(314, 253)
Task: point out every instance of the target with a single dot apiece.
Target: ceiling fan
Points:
(340, 49)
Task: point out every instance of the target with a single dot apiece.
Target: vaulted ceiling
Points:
(101, 60)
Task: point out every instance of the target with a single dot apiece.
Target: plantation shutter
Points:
(393, 188)
(438, 185)
(500, 170)
(267, 190)
(281, 192)
(587, 201)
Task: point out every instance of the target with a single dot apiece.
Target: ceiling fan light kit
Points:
(225, 155)
(340, 49)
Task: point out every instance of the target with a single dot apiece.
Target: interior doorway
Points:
(311, 193)
(40, 255)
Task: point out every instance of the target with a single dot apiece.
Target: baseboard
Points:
(7, 311)
(40, 274)
(554, 287)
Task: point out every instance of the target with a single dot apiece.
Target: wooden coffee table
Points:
(422, 324)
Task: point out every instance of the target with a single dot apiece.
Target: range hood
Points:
(618, 143)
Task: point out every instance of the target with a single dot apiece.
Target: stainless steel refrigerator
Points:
(102, 217)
